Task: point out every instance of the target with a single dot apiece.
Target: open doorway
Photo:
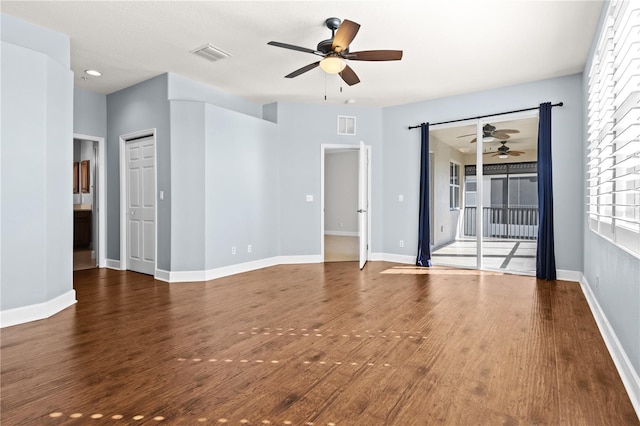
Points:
(89, 233)
(341, 205)
(486, 194)
(345, 193)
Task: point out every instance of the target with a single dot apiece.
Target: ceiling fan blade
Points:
(464, 136)
(515, 153)
(292, 47)
(344, 35)
(349, 76)
(375, 55)
(508, 131)
(302, 70)
(499, 135)
(473, 140)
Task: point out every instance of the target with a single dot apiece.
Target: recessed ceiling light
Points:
(94, 73)
(350, 101)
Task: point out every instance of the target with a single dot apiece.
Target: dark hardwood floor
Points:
(314, 344)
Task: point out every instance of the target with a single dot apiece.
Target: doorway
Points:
(138, 215)
(345, 193)
(486, 206)
(89, 199)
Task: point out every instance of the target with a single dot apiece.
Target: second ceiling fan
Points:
(336, 50)
(490, 132)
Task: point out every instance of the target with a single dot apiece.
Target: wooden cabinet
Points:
(82, 225)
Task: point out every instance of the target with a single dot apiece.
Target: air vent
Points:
(346, 125)
(210, 52)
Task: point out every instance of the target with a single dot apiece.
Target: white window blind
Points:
(613, 163)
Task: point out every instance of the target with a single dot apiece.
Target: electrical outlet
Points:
(249, 248)
(233, 250)
(401, 197)
(401, 243)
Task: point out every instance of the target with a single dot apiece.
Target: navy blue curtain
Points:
(545, 255)
(424, 227)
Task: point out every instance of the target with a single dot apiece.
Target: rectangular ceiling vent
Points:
(210, 52)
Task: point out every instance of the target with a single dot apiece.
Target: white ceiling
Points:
(450, 47)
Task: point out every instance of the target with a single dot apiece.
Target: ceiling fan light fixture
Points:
(503, 156)
(488, 139)
(332, 64)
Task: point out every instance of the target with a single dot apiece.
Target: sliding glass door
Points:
(488, 219)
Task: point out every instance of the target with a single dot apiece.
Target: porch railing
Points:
(503, 222)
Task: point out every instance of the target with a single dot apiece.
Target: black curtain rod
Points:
(485, 116)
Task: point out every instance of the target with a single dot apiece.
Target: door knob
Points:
(362, 211)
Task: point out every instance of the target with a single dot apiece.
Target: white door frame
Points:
(123, 194)
(323, 152)
(102, 195)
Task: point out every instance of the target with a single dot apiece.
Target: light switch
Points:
(401, 198)
(162, 195)
(309, 198)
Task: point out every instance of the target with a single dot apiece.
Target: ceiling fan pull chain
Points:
(325, 87)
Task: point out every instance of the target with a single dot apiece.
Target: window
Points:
(470, 191)
(613, 154)
(454, 185)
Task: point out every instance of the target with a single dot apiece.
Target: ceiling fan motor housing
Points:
(326, 46)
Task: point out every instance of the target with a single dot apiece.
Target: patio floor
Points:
(504, 255)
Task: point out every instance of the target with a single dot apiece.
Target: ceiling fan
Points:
(489, 133)
(335, 51)
(504, 151)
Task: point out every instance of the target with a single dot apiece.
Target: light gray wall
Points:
(187, 186)
(140, 107)
(89, 113)
(183, 89)
(303, 128)
(37, 152)
(270, 112)
(612, 274)
(341, 192)
(241, 187)
(402, 153)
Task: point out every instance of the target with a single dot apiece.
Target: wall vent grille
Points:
(346, 125)
(210, 52)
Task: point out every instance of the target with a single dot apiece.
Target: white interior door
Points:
(363, 203)
(141, 206)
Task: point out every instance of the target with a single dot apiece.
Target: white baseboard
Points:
(294, 260)
(628, 374)
(342, 233)
(225, 271)
(113, 264)
(568, 275)
(38, 311)
(396, 258)
(162, 275)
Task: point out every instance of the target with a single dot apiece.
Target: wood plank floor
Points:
(321, 344)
